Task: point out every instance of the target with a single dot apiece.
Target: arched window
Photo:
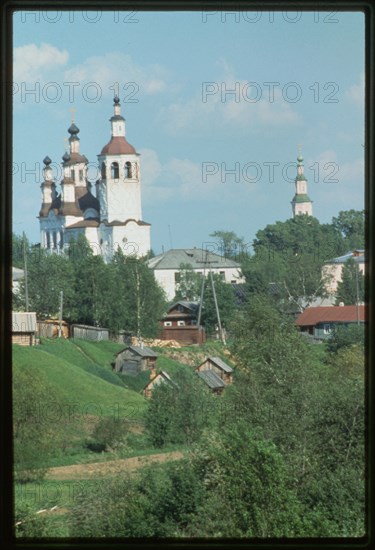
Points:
(72, 174)
(61, 239)
(114, 171)
(128, 169)
(103, 170)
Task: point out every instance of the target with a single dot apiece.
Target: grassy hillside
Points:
(67, 370)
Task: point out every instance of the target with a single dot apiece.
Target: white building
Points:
(112, 218)
(301, 203)
(332, 269)
(167, 267)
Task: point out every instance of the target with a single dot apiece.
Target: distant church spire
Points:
(301, 203)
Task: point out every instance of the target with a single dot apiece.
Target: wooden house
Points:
(155, 380)
(180, 324)
(134, 359)
(212, 380)
(318, 322)
(218, 366)
(24, 328)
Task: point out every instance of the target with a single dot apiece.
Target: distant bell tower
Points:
(301, 203)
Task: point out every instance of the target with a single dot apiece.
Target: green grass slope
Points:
(75, 385)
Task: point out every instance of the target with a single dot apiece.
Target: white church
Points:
(109, 219)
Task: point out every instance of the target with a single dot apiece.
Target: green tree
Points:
(175, 412)
(351, 224)
(351, 288)
(346, 336)
(226, 302)
(48, 275)
(230, 245)
(189, 284)
(291, 254)
(141, 300)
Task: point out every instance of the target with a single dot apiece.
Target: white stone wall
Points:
(166, 278)
(334, 274)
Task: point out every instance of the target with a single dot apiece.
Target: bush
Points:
(107, 433)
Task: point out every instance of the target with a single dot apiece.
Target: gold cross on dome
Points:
(299, 148)
(72, 110)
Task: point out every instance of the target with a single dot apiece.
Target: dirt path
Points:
(96, 469)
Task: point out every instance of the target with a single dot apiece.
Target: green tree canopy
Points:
(351, 288)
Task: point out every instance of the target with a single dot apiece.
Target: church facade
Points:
(110, 218)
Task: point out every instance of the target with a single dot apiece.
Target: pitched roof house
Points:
(180, 324)
(319, 321)
(212, 380)
(166, 267)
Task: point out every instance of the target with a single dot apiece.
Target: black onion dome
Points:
(47, 161)
(66, 157)
(73, 129)
(116, 100)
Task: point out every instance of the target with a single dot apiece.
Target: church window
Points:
(103, 170)
(48, 239)
(72, 174)
(81, 175)
(61, 239)
(128, 169)
(54, 240)
(177, 277)
(114, 171)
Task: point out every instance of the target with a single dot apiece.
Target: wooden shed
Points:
(217, 365)
(212, 380)
(155, 380)
(49, 328)
(134, 359)
(24, 328)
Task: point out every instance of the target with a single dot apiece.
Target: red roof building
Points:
(319, 321)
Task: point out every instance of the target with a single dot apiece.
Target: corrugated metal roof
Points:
(172, 259)
(211, 379)
(330, 314)
(23, 321)
(220, 363)
(358, 258)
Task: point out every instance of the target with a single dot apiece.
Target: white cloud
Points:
(231, 103)
(117, 72)
(32, 63)
(184, 179)
(356, 92)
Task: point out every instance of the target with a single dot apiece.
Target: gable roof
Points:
(212, 380)
(172, 259)
(23, 321)
(219, 363)
(142, 352)
(192, 306)
(330, 314)
(162, 374)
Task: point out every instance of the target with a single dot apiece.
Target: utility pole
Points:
(25, 272)
(208, 263)
(61, 312)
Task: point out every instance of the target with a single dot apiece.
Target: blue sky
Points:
(174, 73)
